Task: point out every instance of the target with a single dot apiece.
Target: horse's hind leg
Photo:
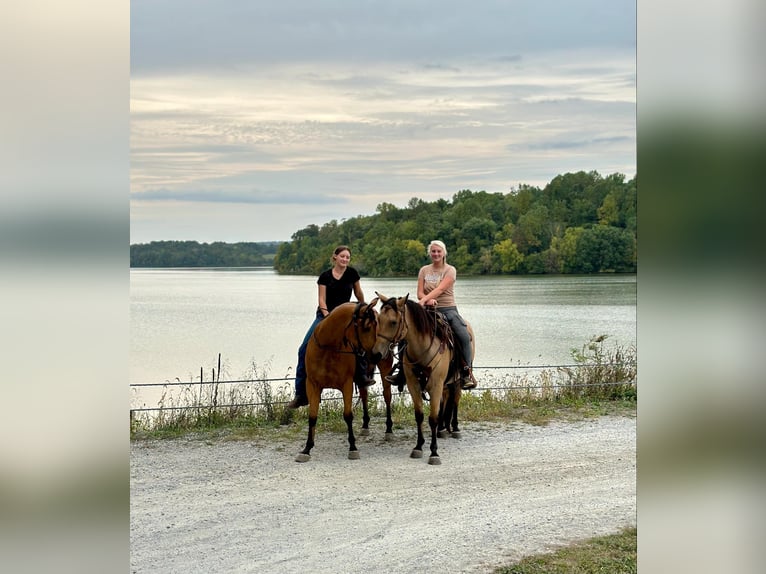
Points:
(364, 396)
(385, 368)
(348, 416)
(389, 419)
(444, 414)
(455, 405)
(305, 454)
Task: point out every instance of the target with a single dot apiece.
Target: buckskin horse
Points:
(427, 363)
(349, 330)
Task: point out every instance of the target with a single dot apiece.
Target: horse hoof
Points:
(364, 432)
(416, 453)
(389, 436)
(434, 460)
(442, 434)
(456, 434)
(353, 455)
(302, 457)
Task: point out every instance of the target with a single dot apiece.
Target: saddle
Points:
(443, 330)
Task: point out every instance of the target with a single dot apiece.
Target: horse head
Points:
(365, 322)
(392, 326)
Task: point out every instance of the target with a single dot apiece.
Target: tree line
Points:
(578, 223)
(194, 254)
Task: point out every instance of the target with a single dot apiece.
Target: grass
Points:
(613, 554)
(602, 382)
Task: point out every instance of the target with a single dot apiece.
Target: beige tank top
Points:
(431, 279)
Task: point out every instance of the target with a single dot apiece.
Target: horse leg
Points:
(444, 414)
(314, 398)
(389, 419)
(417, 452)
(364, 395)
(417, 403)
(348, 416)
(455, 404)
(385, 366)
(433, 422)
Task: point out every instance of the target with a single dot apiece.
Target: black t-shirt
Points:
(338, 290)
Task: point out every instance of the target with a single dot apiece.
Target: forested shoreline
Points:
(578, 223)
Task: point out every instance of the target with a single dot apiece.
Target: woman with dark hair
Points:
(335, 286)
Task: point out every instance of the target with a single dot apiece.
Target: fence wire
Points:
(371, 396)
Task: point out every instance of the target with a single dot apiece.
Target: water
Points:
(182, 318)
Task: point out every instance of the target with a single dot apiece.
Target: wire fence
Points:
(549, 385)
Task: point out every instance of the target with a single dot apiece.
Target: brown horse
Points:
(349, 330)
(427, 363)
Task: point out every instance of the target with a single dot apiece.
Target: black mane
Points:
(425, 321)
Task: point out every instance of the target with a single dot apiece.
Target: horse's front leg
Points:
(348, 416)
(417, 403)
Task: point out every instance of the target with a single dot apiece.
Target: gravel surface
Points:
(502, 492)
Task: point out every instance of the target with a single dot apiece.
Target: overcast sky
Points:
(251, 120)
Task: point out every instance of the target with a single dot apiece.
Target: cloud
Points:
(338, 105)
(229, 196)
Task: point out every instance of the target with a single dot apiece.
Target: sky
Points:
(251, 120)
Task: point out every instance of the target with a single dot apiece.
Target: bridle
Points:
(401, 328)
(356, 318)
(401, 332)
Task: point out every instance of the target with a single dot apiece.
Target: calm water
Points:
(182, 318)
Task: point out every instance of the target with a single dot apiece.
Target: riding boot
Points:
(361, 378)
(467, 381)
(299, 401)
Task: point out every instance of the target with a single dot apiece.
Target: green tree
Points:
(508, 255)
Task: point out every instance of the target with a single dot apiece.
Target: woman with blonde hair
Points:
(435, 291)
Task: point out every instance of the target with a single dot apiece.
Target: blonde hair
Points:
(439, 244)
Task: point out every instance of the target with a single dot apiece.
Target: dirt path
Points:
(501, 493)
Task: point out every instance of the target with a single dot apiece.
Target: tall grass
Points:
(602, 380)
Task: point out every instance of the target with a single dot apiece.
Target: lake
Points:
(181, 319)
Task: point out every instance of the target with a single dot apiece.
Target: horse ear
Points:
(402, 302)
(381, 297)
(372, 303)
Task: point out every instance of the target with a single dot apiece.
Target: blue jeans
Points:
(460, 330)
(300, 369)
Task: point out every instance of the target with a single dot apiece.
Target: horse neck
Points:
(418, 342)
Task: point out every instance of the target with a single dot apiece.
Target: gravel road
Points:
(502, 492)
